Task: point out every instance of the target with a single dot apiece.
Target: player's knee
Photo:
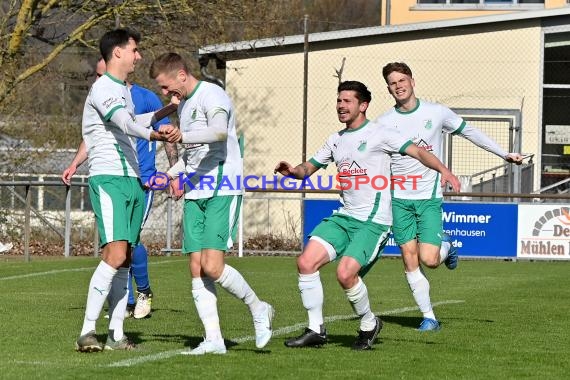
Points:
(212, 270)
(346, 278)
(306, 264)
(117, 260)
(431, 261)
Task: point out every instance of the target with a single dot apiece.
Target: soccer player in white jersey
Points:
(357, 232)
(418, 228)
(144, 101)
(110, 129)
(209, 169)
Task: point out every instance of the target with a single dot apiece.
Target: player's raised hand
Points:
(284, 168)
(514, 158)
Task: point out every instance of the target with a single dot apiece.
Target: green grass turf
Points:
(511, 323)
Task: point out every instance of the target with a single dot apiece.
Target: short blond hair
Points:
(167, 63)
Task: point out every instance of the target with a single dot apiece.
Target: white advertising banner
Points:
(544, 232)
(557, 134)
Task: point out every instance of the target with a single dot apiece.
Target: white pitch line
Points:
(56, 271)
(33, 363)
(279, 331)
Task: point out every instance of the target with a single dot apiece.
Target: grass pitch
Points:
(505, 320)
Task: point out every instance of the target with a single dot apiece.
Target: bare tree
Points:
(48, 48)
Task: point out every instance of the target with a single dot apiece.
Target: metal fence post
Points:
(240, 229)
(169, 226)
(27, 228)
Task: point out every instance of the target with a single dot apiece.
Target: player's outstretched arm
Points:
(479, 138)
(432, 162)
(164, 112)
(301, 171)
(151, 118)
(140, 127)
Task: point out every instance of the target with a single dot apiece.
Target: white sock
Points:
(206, 300)
(98, 289)
(312, 296)
(232, 281)
(358, 298)
(118, 298)
(444, 251)
(419, 285)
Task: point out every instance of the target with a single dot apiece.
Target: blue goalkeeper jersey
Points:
(146, 101)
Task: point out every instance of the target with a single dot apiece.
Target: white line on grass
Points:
(56, 271)
(279, 331)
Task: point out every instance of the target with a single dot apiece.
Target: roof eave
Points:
(283, 41)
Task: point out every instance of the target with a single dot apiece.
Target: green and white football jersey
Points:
(109, 150)
(362, 158)
(424, 125)
(215, 168)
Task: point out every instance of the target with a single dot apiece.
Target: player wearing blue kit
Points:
(357, 232)
(418, 228)
(145, 101)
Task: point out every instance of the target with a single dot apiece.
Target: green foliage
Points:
(499, 320)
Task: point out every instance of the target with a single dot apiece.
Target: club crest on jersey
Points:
(194, 114)
(362, 146)
(428, 124)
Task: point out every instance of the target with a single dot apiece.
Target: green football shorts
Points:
(362, 240)
(417, 219)
(118, 204)
(210, 223)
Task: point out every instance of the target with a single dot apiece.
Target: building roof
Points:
(283, 41)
